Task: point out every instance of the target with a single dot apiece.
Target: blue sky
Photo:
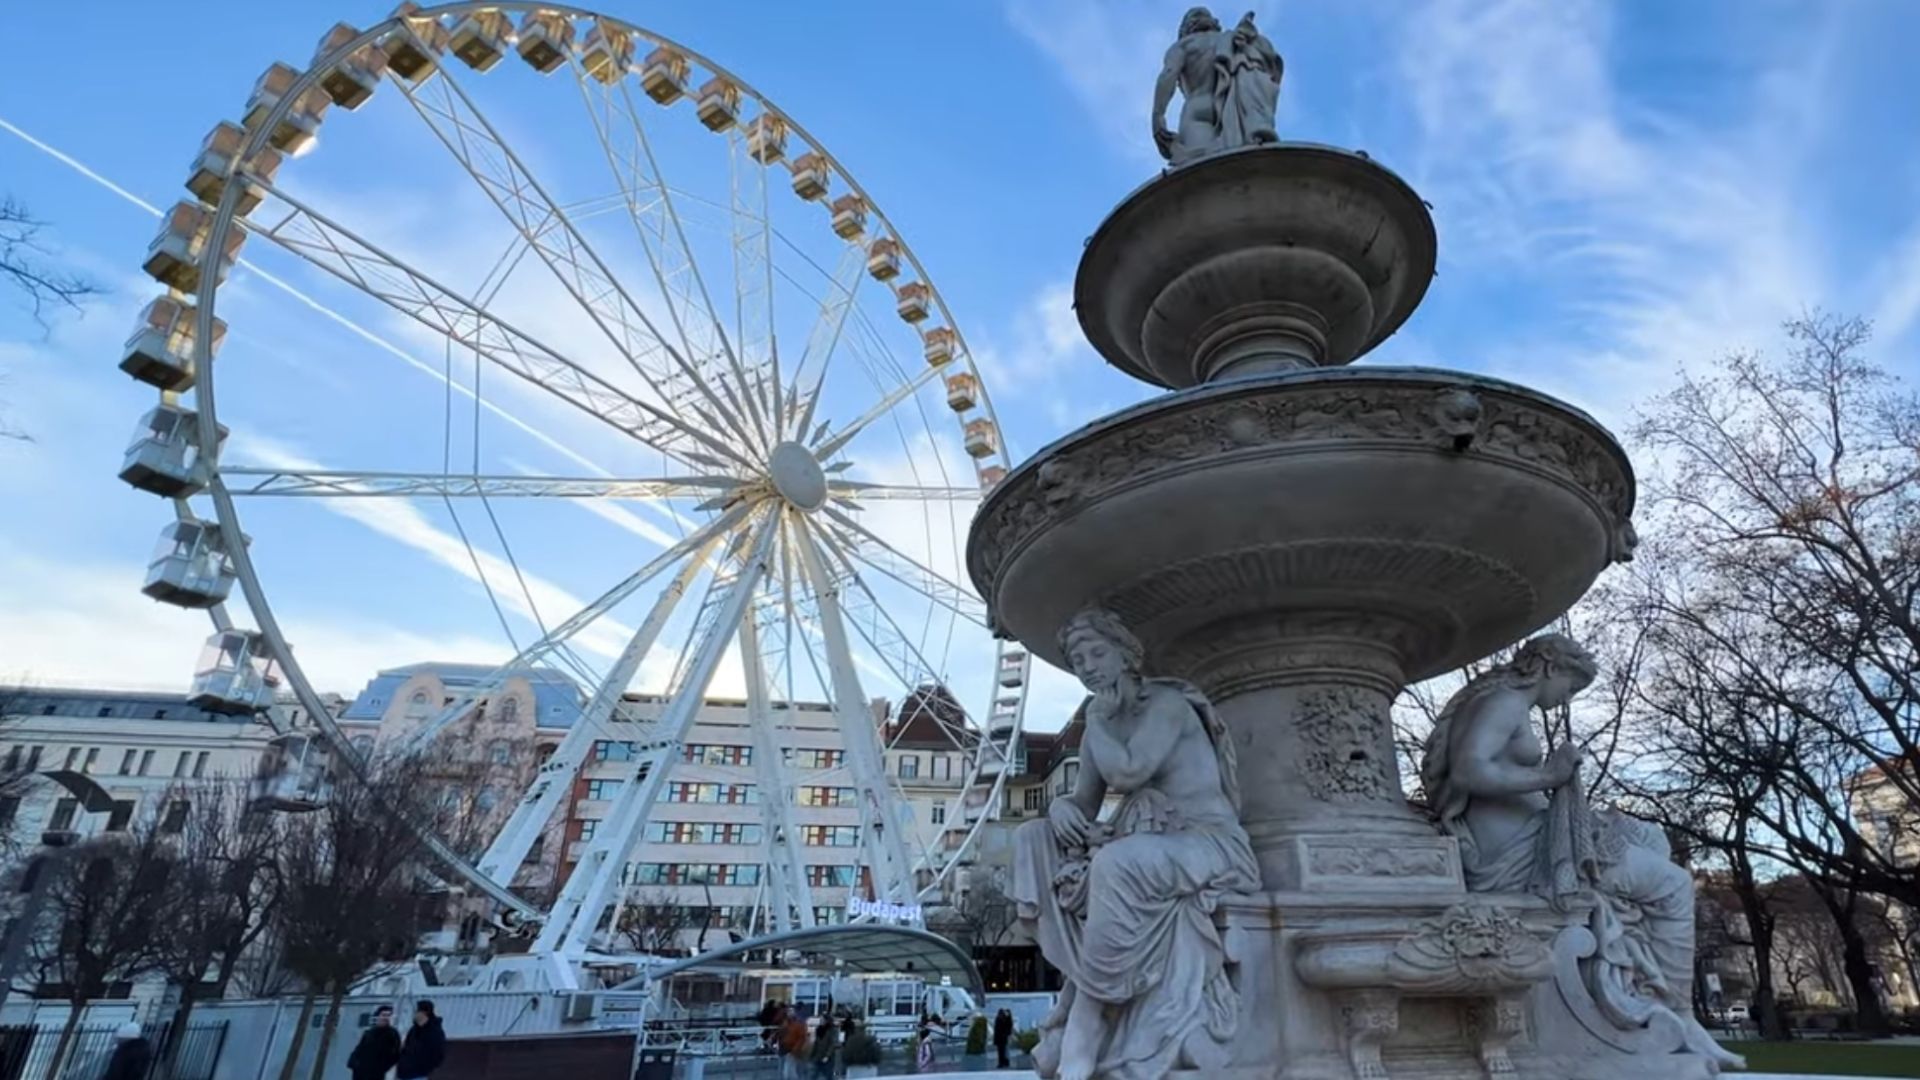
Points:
(1619, 189)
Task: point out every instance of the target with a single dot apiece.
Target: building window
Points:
(703, 832)
(93, 758)
(717, 754)
(830, 877)
(829, 916)
(939, 813)
(63, 813)
(363, 745)
(1034, 797)
(909, 766)
(602, 790)
(418, 706)
(180, 766)
(826, 796)
(688, 791)
(608, 750)
(588, 828)
(499, 752)
(510, 710)
(176, 817)
(943, 767)
(830, 835)
(146, 762)
(127, 762)
(73, 756)
(696, 874)
(9, 810)
(200, 765)
(814, 759)
(120, 816)
(33, 759)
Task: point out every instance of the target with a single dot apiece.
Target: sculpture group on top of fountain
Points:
(1230, 84)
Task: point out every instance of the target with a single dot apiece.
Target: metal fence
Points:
(26, 1052)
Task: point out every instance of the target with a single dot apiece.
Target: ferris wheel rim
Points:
(227, 217)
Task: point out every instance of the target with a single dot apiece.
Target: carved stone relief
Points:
(1472, 948)
(1343, 732)
(1377, 860)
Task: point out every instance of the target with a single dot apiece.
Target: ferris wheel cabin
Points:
(296, 775)
(480, 38)
(353, 78)
(301, 123)
(718, 104)
(191, 566)
(849, 216)
(607, 53)
(545, 40)
(160, 352)
(173, 259)
(164, 456)
(767, 139)
(883, 259)
(937, 345)
(219, 162)
(413, 48)
(664, 75)
(237, 674)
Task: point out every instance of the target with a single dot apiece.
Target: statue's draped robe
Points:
(1246, 92)
(1131, 922)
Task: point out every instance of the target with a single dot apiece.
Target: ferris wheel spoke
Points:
(909, 571)
(880, 408)
(862, 491)
(650, 206)
(759, 345)
(893, 878)
(556, 638)
(349, 484)
(324, 243)
(884, 634)
(479, 149)
(788, 878)
(823, 340)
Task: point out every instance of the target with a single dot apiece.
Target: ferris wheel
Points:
(637, 264)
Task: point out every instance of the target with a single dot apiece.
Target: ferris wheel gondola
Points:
(763, 418)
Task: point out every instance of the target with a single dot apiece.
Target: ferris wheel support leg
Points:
(509, 850)
(893, 874)
(790, 895)
(589, 888)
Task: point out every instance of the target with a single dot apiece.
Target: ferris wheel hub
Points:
(797, 476)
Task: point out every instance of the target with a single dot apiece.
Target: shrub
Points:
(862, 1048)
(1027, 1040)
(977, 1036)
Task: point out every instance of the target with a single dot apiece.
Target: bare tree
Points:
(352, 872)
(104, 903)
(22, 262)
(652, 923)
(221, 896)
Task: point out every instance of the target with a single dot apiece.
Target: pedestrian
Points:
(1002, 1037)
(923, 1054)
(379, 1047)
(793, 1047)
(826, 1049)
(132, 1055)
(425, 1048)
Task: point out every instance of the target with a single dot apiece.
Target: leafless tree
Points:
(23, 267)
(652, 923)
(352, 873)
(221, 897)
(104, 907)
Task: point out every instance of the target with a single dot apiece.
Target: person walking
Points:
(826, 1049)
(132, 1054)
(378, 1049)
(1003, 1037)
(793, 1046)
(425, 1048)
(923, 1054)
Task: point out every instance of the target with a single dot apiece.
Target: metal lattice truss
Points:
(782, 557)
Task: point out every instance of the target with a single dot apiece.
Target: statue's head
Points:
(1557, 666)
(1100, 649)
(1198, 21)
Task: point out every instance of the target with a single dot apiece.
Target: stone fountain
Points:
(1299, 539)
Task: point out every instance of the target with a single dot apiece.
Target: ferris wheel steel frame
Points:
(754, 409)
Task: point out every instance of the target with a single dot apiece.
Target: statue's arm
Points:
(1132, 763)
(1163, 88)
(1480, 762)
(1090, 789)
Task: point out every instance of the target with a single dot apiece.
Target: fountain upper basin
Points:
(1435, 514)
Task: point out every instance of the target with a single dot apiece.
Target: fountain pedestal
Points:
(1301, 539)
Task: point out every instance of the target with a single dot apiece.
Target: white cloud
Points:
(86, 624)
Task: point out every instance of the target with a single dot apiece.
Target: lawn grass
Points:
(1820, 1058)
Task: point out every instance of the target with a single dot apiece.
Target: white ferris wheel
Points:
(635, 248)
